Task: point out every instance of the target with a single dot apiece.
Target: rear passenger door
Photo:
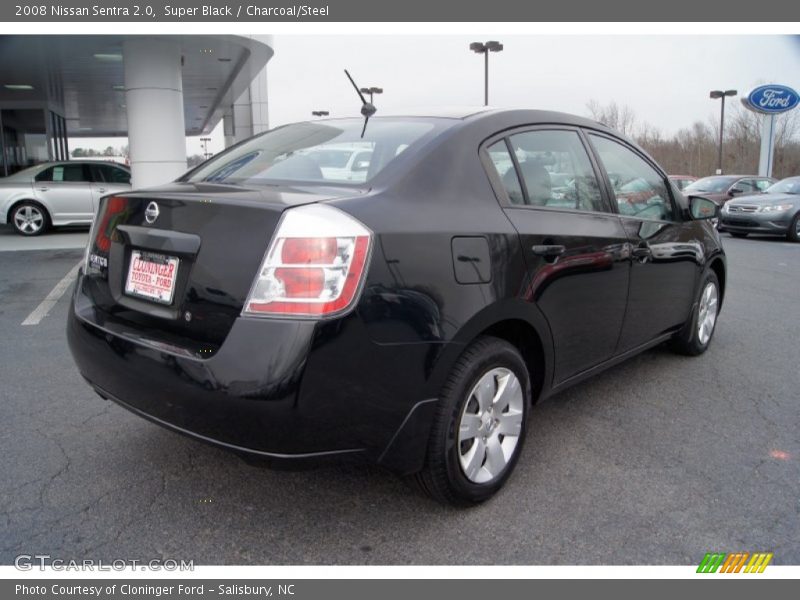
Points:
(65, 189)
(577, 269)
(665, 251)
(108, 179)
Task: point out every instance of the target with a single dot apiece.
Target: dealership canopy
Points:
(154, 89)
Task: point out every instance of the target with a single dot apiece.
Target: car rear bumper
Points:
(286, 391)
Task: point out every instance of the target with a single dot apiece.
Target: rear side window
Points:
(639, 189)
(501, 159)
(556, 170)
(111, 174)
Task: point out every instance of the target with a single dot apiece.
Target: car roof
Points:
(735, 176)
(475, 113)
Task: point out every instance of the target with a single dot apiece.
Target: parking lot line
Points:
(40, 312)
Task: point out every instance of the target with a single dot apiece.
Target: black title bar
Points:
(407, 10)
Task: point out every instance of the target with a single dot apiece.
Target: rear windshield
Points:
(316, 152)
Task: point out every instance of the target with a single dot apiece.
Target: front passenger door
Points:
(66, 191)
(665, 253)
(108, 179)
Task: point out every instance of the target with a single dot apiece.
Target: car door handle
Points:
(101, 190)
(549, 250)
(43, 188)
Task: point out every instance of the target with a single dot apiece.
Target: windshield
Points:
(785, 186)
(711, 184)
(25, 174)
(316, 152)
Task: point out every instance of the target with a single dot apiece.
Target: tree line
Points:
(694, 150)
(90, 152)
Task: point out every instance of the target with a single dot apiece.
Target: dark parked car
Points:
(410, 319)
(775, 212)
(682, 181)
(721, 188)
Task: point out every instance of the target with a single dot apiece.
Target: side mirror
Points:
(734, 191)
(702, 208)
(361, 165)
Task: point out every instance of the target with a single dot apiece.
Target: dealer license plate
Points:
(152, 276)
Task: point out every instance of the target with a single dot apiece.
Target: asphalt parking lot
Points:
(656, 461)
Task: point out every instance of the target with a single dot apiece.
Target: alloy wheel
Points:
(490, 425)
(707, 314)
(29, 219)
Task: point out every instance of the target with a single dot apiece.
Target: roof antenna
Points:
(367, 108)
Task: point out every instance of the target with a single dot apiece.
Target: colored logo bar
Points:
(736, 562)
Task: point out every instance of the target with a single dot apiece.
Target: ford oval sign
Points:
(772, 99)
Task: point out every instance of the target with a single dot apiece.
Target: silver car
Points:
(58, 193)
(776, 211)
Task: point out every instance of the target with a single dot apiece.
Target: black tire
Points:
(736, 234)
(26, 210)
(793, 235)
(688, 340)
(443, 477)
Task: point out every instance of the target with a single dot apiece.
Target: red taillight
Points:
(301, 283)
(310, 251)
(314, 266)
(114, 206)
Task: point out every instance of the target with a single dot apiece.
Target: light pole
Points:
(485, 48)
(320, 113)
(204, 141)
(371, 91)
(714, 94)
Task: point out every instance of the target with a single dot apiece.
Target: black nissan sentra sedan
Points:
(289, 310)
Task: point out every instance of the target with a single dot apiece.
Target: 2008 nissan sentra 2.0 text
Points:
(483, 260)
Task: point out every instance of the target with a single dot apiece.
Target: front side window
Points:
(316, 152)
(747, 186)
(556, 170)
(639, 189)
(762, 184)
(74, 173)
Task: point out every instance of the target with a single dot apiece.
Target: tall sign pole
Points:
(765, 158)
(769, 101)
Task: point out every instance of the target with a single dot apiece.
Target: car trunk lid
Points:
(201, 243)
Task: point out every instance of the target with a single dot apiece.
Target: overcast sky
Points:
(665, 79)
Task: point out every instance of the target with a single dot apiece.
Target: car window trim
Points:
(677, 211)
(496, 182)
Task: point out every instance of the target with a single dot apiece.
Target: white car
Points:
(342, 163)
(58, 193)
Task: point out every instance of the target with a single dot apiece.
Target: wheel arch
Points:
(515, 321)
(718, 266)
(39, 203)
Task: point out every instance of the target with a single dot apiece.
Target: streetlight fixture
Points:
(484, 48)
(714, 94)
(320, 113)
(371, 91)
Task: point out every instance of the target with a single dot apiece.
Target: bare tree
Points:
(693, 149)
